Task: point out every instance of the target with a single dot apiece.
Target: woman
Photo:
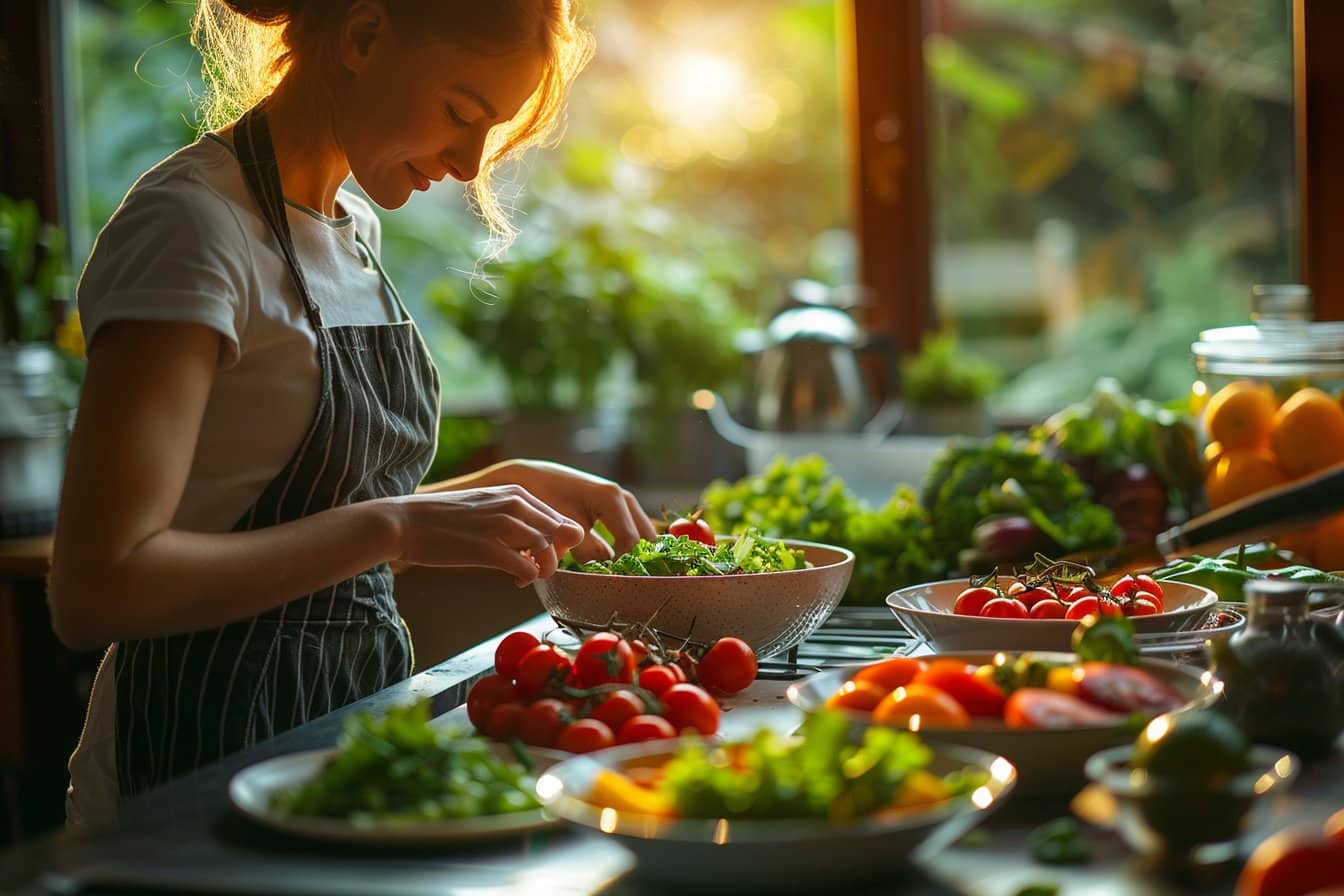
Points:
(258, 407)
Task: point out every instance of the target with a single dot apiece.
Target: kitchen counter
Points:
(183, 837)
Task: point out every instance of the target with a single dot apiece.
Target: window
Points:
(1108, 179)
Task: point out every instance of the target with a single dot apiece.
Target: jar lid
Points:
(1272, 348)
(1277, 592)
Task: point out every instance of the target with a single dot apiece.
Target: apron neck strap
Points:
(256, 156)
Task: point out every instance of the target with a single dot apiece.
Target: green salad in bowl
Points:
(681, 555)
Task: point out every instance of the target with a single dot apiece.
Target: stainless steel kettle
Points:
(808, 373)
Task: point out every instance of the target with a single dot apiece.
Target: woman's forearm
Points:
(175, 582)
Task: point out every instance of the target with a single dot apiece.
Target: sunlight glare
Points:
(699, 89)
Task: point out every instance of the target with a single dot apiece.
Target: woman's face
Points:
(416, 110)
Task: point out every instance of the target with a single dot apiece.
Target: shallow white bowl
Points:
(926, 612)
(782, 856)
(1048, 761)
(771, 611)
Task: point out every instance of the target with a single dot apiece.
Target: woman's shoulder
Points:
(195, 190)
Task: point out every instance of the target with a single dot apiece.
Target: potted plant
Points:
(36, 389)
(944, 389)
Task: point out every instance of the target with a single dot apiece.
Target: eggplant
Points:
(1010, 537)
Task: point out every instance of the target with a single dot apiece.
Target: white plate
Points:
(251, 789)
(926, 611)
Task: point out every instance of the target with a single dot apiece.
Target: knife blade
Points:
(1261, 515)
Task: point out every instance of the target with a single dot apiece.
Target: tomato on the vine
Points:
(688, 706)
(657, 679)
(1005, 608)
(511, 650)
(603, 658)
(504, 720)
(485, 695)
(537, 667)
(645, 727)
(617, 708)
(585, 736)
(543, 721)
(972, 600)
(728, 666)
(693, 528)
(1048, 609)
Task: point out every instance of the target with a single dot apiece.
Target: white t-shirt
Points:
(189, 244)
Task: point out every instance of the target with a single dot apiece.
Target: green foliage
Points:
(971, 480)
(943, 374)
(803, 499)
(33, 272)
(677, 555)
(817, 775)
(398, 769)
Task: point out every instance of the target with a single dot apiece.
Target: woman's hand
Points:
(585, 498)
(502, 527)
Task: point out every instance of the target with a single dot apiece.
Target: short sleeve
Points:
(174, 251)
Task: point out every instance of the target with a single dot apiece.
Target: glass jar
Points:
(1283, 674)
(1282, 346)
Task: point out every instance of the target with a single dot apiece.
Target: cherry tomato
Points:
(683, 661)
(972, 600)
(1005, 608)
(1082, 607)
(1030, 597)
(1141, 606)
(603, 658)
(485, 695)
(646, 727)
(917, 706)
(1077, 592)
(1155, 599)
(619, 706)
(1151, 585)
(1041, 708)
(538, 666)
(657, 679)
(957, 679)
(504, 721)
(1048, 609)
(695, 529)
(543, 721)
(641, 651)
(729, 666)
(511, 650)
(1124, 586)
(585, 736)
(688, 706)
(1126, 689)
(891, 673)
(1016, 588)
(860, 696)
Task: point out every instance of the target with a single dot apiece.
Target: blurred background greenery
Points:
(1109, 177)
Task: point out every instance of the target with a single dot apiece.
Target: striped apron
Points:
(187, 700)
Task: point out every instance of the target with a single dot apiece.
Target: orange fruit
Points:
(1328, 544)
(1212, 452)
(1301, 541)
(1308, 432)
(1239, 474)
(1241, 415)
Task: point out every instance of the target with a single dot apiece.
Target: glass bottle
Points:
(1283, 674)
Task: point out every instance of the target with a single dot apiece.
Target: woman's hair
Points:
(248, 46)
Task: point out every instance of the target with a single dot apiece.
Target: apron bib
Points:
(186, 700)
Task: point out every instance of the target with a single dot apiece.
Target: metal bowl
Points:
(771, 611)
(1048, 761)
(780, 855)
(926, 611)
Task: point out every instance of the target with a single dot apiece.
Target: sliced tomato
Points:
(1126, 689)
(1040, 708)
(932, 707)
(977, 696)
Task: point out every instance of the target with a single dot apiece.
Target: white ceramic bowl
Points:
(781, 856)
(926, 612)
(1048, 761)
(771, 611)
